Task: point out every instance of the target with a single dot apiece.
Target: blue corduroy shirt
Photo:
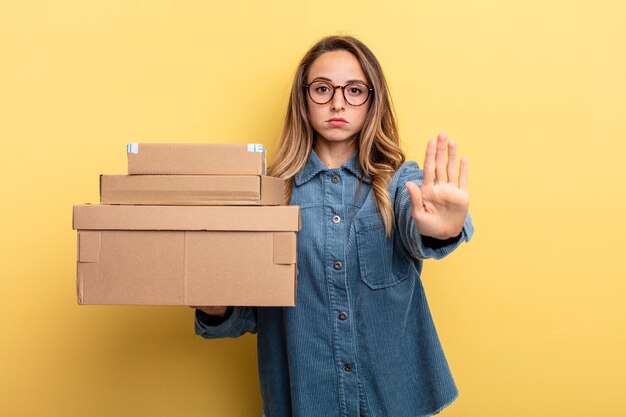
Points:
(361, 341)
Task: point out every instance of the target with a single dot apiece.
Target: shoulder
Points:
(408, 171)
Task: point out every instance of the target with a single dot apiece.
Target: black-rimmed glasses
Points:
(322, 92)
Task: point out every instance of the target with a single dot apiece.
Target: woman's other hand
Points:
(212, 311)
(441, 204)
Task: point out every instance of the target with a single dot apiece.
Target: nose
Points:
(338, 102)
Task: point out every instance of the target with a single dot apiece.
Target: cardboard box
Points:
(196, 159)
(192, 190)
(186, 255)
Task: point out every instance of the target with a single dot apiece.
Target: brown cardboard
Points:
(191, 190)
(189, 255)
(195, 159)
(226, 218)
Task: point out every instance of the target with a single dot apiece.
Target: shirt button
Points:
(347, 367)
(335, 179)
(337, 265)
(336, 219)
(343, 315)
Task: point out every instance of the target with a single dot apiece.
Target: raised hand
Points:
(441, 205)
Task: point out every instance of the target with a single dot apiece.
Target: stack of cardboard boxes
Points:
(191, 224)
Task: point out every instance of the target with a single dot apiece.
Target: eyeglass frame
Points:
(343, 91)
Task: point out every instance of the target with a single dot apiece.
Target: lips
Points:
(337, 121)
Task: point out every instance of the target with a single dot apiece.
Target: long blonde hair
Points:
(378, 142)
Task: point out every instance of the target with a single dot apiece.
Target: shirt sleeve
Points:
(238, 320)
(422, 247)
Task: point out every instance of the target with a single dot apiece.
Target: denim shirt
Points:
(360, 341)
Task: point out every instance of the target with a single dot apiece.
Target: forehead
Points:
(338, 66)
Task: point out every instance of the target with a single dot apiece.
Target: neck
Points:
(334, 154)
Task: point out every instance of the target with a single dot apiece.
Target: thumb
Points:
(416, 196)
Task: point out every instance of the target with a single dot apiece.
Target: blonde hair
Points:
(379, 152)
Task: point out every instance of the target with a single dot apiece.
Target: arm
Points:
(236, 322)
(432, 209)
(424, 247)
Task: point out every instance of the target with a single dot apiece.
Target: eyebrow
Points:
(328, 79)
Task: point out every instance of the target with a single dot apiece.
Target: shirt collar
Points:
(355, 168)
(314, 166)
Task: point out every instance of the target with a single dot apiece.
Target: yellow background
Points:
(530, 313)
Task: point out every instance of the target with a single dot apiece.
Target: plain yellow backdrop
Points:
(531, 312)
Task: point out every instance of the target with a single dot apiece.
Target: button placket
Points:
(343, 337)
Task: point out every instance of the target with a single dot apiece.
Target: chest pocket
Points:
(382, 264)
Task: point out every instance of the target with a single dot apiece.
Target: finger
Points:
(416, 196)
(452, 170)
(463, 178)
(440, 159)
(429, 163)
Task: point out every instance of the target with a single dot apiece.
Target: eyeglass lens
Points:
(322, 92)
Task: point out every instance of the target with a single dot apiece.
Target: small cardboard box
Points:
(216, 190)
(196, 159)
(186, 255)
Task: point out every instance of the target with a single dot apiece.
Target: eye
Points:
(321, 88)
(356, 90)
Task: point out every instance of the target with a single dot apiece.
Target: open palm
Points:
(441, 204)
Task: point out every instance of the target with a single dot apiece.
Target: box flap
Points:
(272, 190)
(227, 218)
(284, 248)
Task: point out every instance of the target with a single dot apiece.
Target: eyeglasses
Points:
(322, 92)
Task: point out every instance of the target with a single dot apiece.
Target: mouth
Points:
(337, 121)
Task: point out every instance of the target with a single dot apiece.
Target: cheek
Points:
(362, 117)
(313, 113)
(314, 120)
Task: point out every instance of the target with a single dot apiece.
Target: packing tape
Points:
(132, 148)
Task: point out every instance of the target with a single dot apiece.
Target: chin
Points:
(339, 138)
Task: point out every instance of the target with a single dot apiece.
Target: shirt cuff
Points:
(430, 247)
(213, 327)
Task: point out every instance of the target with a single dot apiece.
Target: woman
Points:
(361, 340)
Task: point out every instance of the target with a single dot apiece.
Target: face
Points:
(339, 68)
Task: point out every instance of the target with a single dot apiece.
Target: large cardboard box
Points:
(186, 255)
(196, 159)
(192, 190)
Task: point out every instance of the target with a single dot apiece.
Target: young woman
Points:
(361, 340)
